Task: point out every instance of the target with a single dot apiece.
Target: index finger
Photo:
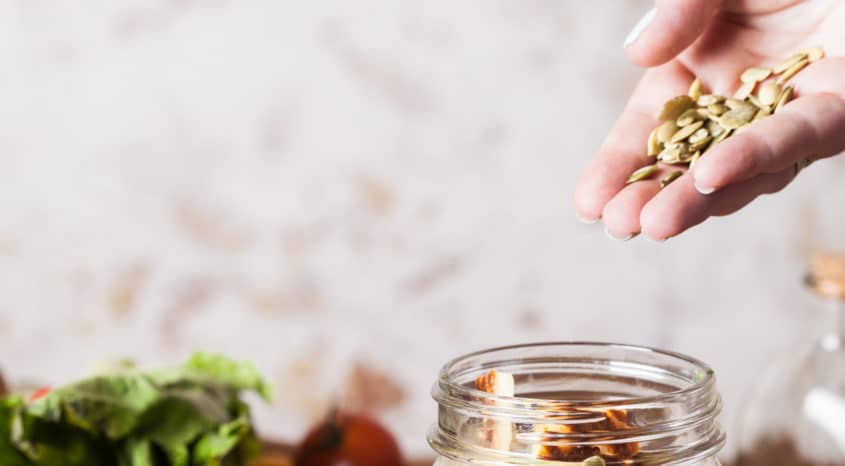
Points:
(624, 149)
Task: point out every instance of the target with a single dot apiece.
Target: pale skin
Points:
(716, 40)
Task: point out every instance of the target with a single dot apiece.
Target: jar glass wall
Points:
(578, 403)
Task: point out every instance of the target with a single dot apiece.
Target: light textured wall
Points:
(349, 192)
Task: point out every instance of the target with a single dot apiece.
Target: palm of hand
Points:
(744, 33)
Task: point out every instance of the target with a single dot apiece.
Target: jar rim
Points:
(705, 382)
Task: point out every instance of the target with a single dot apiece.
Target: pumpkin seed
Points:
(717, 109)
(762, 113)
(689, 117)
(700, 144)
(714, 128)
(686, 132)
(736, 118)
(784, 97)
(666, 130)
(642, 173)
(793, 70)
(735, 104)
(672, 153)
(674, 107)
(788, 63)
(653, 143)
(709, 99)
(756, 102)
(593, 461)
(814, 54)
(695, 89)
(697, 136)
(670, 178)
(769, 93)
(745, 90)
(755, 74)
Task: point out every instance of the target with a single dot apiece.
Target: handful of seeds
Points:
(692, 124)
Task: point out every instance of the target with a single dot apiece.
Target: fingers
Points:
(624, 149)
(679, 206)
(809, 128)
(622, 213)
(669, 29)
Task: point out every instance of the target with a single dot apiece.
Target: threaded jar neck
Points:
(567, 394)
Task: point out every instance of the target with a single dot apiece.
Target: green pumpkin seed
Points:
(686, 132)
(670, 178)
(734, 119)
(674, 107)
(689, 117)
(642, 173)
(666, 130)
(717, 109)
(709, 99)
(653, 144)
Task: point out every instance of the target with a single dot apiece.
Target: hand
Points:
(715, 41)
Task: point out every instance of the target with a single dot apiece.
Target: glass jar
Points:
(795, 415)
(563, 398)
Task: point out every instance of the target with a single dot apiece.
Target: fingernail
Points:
(585, 220)
(703, 189)
(641, 26)
(627, 238)
(656, 240)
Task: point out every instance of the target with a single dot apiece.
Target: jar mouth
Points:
(669, 402)
(703, 377)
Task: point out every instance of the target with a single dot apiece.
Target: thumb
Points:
(668, 29)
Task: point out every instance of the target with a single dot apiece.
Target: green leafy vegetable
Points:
(190, 415)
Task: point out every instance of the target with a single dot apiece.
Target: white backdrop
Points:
(346, 191)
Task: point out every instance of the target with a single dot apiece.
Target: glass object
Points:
(795, 415)
(563, 391)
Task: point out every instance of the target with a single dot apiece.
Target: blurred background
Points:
(350, 194)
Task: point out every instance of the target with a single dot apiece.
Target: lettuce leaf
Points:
(9, 454)
(190, 415)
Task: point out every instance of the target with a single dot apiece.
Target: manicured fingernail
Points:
(704, 189)
(627, 238)
(656, 240)
(641, 26)
(585, 220)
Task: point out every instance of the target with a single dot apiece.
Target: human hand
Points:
(715, 41)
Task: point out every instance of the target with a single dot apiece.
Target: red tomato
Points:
(40, 393)
(348, 440)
